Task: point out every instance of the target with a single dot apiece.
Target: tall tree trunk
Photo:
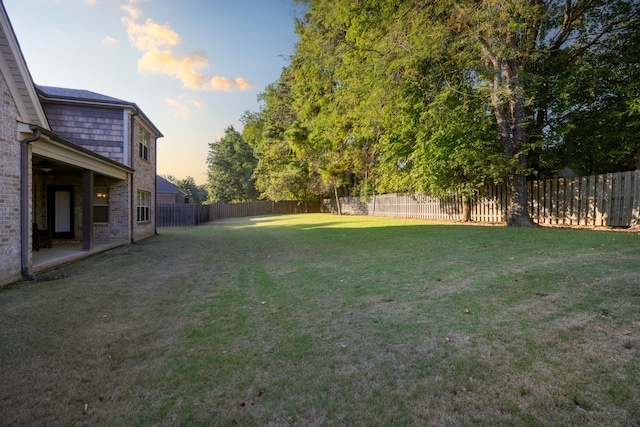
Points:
(518, 209)
(507, 100)
(335, 190)
(466, 209)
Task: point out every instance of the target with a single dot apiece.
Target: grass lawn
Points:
(324, 320)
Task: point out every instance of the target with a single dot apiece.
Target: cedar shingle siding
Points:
(98, 129)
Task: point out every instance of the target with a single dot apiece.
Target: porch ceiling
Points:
(56, 167)
(70, 156)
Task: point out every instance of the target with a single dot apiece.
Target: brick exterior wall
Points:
(170, 199)
(102, 130)
(119, 212)
(10, 238)
(119, 208)
(144, 179)
(98, 129)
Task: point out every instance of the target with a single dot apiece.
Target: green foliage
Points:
(231, 164)
(279, 173)
(458, 148)
(197, 194)
(594, 125)
(398, 95)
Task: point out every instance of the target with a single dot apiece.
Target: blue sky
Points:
(193, 66)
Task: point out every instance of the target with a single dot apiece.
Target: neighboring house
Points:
(167, 192)
(78, 164)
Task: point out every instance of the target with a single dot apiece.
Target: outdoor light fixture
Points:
(45, 166)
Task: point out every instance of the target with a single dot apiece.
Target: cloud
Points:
(182, 107)
(158, 42)
(226, 84)
(185, 68)
(109, 41)
(132, 12)
(150, 36)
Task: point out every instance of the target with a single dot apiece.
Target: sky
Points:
(193, 66)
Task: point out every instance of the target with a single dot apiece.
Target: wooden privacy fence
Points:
(265, 207)
(181, 215)
(601, 200)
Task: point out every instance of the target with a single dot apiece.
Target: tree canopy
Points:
(231, 164)
(444, 95)
(197, 194)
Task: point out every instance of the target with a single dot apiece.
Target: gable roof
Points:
(86, 97)
(16, 73)
(166, 187)
(79, 95)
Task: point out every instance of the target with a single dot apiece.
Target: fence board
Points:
(635, 208)
(175, 215)
(627, 192)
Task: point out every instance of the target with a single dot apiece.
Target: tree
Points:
(196, 193)
(332, 133)
(520, 44)
(594, 126)
(280, 174)
(231, 163)
(389, 71)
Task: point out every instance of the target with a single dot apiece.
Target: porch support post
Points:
(26, 203)
(87, 210)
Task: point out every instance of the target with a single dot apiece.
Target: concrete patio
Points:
(65, 252)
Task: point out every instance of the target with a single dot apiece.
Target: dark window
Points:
(101, 204)
(143, 143)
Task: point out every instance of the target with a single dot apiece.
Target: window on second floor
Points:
(143, 143)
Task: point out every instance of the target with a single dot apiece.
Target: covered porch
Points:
(79, 203)
(66, 251)
(66, 206)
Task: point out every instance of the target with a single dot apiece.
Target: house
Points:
(169, 193)
(75, 166)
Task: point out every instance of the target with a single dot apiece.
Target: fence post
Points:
(635, 209)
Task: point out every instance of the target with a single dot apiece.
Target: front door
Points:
(60, 208)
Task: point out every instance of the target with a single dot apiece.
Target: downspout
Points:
(25, 223)
(155, 186)
(132, 156)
